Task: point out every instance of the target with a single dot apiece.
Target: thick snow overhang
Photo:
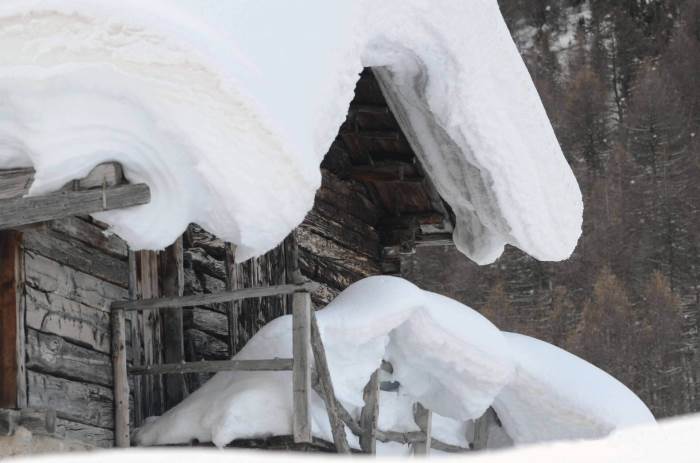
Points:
(226, 109)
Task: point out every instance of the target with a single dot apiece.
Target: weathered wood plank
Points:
(15, 183)
(337, 428)
(85, 403)
(54, 355)
(350, 196)
(326, 271)
(11, 321)
(204, 299)
(424, 419)
(93, 435)
(24, 211)
(325, 226)
(51, 277)
(205, 346)
(208, 321)
(89, 233)
(54, 314)
(213, 366)
(341, 256)
(148, 288)
(301, 372)
(370, 415)
(136, 350)
(121, 380)
(76, 255)
(173, 284)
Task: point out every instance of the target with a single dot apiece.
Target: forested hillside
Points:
(620, 80)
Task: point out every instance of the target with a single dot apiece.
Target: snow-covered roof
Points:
(226, 109)
(444, 355)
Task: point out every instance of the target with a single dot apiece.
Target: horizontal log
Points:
(330, 228)
(91, 234)
(85, 433)
(76, 255)
(204, 299)
(51, 277)
(203, 346)
(14, 183)
(86, 403)
(212, 366)
(54, 355)
(24, 211)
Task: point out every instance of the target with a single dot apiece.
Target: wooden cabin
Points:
(58, 278)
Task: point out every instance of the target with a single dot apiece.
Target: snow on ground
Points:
(444, 355)
(673, 441)
(226, 109)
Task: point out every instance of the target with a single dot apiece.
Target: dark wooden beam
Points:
(358, 108)
(173, 284)
(12, 369)
(205, 299)
(213, 366)
(25, 211)
(379, 134)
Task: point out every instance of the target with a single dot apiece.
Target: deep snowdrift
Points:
(226, 109)
(444, 355)
(673, 441)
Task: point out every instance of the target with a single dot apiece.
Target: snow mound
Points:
(444, 355)
(673, 441)
(556, 395)
(227, 110)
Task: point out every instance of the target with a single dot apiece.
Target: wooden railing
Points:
(303, 337)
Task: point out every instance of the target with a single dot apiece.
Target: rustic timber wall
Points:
(71, 273)
(337, 245)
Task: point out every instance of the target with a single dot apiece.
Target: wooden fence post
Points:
(424, 420)
(327, 393)
(369, 415)
(301, 369)
(121, 381)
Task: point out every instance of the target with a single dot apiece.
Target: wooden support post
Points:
(232, 307)
(369, 415)
(324, 377)
(121, 381)
(13, 385)
(301, 369)
(173, 284)
(481, 429)
(424, 420)
(136, 339)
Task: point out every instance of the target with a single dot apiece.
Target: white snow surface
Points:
(444, 355)
(226, 110)
(672, 441)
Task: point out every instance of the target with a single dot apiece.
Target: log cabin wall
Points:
(336, 245)
(70, 273)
